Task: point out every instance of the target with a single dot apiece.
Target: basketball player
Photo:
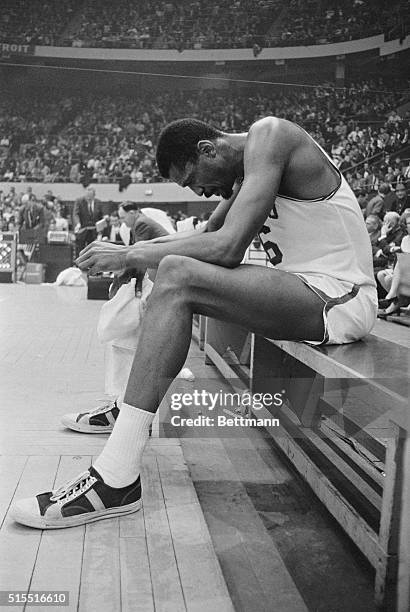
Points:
(275, 180)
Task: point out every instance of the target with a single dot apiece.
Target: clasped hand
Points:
(102, 257)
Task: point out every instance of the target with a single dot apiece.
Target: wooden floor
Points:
(226, 524)
(160, 558)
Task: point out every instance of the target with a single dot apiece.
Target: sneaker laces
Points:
(72, 487)
(104, 408)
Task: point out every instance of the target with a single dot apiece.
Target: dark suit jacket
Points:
(400, 206)
(147, 229)
(31, 218)
(389, 202)
(106, 233)
(394, 237)
(81, 213)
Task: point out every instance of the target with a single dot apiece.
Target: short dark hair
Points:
(114, 213)
(129, 206)
(178, 143)
(384, 188)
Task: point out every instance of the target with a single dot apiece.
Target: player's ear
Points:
(206, 147)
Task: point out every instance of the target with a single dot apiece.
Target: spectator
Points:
(61, 223)
(363, 199)
(373, 224)
(87, 211)
(390, 278)
(112, 231)
(390, 197)
(31, 215)
(375, 206)
(391, 235)
(402, 200)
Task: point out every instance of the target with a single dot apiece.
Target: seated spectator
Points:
(373, 224)
(363, 199)
(11, 198)
(112, 232)
(391, 279)
(8, 213)
(402, 200)
(390, 197)
(391, 235)
(375, 206)
(60, 222)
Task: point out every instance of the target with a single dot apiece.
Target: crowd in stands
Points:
(311, 22)
(197, 24)
(167, 24)
(112, 139)
(37, 22)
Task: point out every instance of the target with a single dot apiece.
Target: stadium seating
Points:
(112, 138)
(166, 24)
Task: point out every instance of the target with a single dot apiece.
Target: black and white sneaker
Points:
(84, 499)
(99, 420)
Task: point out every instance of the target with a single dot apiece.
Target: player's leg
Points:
(268, 302)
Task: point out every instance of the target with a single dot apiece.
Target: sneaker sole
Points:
(84, 428)
(74, 521)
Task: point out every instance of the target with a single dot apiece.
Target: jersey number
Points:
(273, 252)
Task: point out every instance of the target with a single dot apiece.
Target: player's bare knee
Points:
(174, 271)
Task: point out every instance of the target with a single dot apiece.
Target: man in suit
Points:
(375, 206)
(141, 226)
(87, 211)
(31, 214)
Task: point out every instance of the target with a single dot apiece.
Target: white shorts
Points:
(349, 310)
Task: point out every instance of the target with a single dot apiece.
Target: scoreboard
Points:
(8, 256)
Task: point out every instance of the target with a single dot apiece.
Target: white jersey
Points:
(325, 236)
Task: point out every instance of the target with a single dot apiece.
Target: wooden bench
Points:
(345, 427)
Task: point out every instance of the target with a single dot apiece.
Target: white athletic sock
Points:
(119, 462)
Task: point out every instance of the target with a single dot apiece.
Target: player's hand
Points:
(102, 257)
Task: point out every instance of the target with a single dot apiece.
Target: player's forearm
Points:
(217, 218)
(208, 247)
(176, 236)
